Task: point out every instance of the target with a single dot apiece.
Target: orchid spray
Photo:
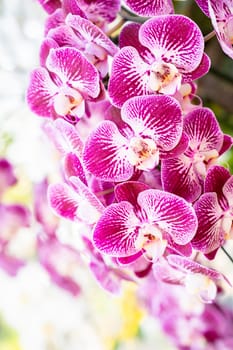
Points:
(141, 175)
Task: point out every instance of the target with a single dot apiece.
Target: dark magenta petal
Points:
(227, 144)
(129, 76)
(56, 19)
(46, 46)
(179, 177)
(162, 35)
(199, 72)
(40, 93)
(7, 176)
(228, 191)
(203, 4)
(215, 179)
(172, 214)
(100, 11)
(71, 6)
(105, 154)
(116, 231)
(150, 7)
(129, 191)
(73, 68)
(129, 37)
(156, 117)
(203, 130)
(210, 233)
(128, 260)
(173, 248)
(176, 151)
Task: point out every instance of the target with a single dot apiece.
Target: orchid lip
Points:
(164, 78)
(143, 153)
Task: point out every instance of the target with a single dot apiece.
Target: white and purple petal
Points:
(156, 117)
(116, 231)
(210, 233)
(74, 69)
(41, 92)
(129, 76)
(151, 8)
(170, 213)
(105, 154)
(164, 37)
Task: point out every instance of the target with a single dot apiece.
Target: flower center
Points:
(143, 153)
(150, 239)
(69, 104)
(164, 78)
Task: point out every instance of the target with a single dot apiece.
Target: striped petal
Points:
(183, 48)
(116, 231)
(129, 76)
(105, 154)
(210, 233)
(172, 214)
(150, 7)
(73, 68)
(157, 117)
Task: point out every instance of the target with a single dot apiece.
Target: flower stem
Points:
(209, 36)
(129, 16)
(227, 254)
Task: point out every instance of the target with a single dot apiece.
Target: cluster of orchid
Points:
(141, 178)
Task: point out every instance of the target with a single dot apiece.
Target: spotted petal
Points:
(105, 154)
(157, 117)
(116, 231)
(172, 214)
(164, 37)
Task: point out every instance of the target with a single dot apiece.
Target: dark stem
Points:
(227, 254)
(209, 36)
(130, 16)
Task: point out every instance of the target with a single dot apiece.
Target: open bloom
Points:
(82, 34)
(214, 211)
(146, 223)
(159, 58)
(185, 174)
(152, 128)
(62, 88)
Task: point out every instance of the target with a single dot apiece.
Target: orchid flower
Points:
(160, 58)
(62, 88)
(152, 129)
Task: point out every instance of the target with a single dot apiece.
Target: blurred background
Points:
(35, 314)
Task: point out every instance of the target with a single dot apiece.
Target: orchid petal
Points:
(105, 154)
(157, 117)
(172, 214)
(116, 231)
(129, 76)
(150, 7)
(162, 35)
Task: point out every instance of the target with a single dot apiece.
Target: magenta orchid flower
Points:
(160, 58)
(184, 175)
(214, 211)
(62, 88)
(151, 7)
(146, 226)
(86, 37)
(153, 128)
